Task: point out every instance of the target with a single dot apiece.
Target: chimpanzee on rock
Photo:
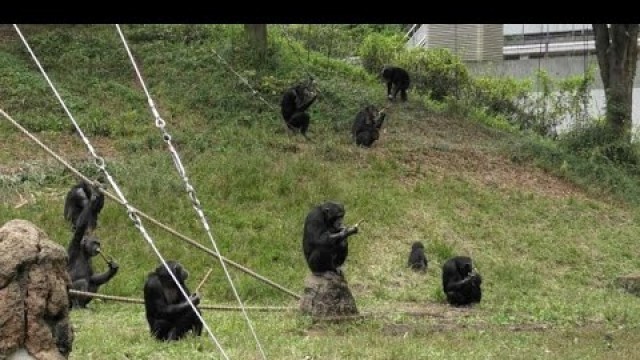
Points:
(366, 126)
(168, 312)
(398, 79)
(295, 102)
(460, 281)
(324, 241)
(417, 260)
(81, 249)
(77, 199)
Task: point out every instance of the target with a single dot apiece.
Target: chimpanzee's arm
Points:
(306, 106)
(100, 279)
(155, 300)
(343, 234)
(380, 120)
(457, 285)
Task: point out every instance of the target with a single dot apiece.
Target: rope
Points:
(186, 239)
(99, 162)
(243, 80)
(204, 280)
(191, 192)
(201, 307)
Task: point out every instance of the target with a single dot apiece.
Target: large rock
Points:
(34, 303)
(327, 296)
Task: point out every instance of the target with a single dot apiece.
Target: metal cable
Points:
(100, 164)
(191, 192)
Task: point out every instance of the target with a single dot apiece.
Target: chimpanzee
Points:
(168, 312)
(77, 199)
(417, 260)
(295, 102)
(460, 281)
(82, 248)
(366, 126)
(324, 240)
(398, 78)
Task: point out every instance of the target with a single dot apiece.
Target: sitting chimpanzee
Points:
(77, 199)
(168, 312)
(366, 126)
(82, 248)
(460, 282)
(417, 260)
(295, 102)
(398, 78)
(324, 241)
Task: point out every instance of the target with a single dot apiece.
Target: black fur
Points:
(168, 312)
(324, 241)
(460, 282)
(366, 126)
(398, 79)
(417, 259)
(295, 102)
(81, 249)
(77, 199)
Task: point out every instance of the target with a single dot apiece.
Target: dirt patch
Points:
(484, 168)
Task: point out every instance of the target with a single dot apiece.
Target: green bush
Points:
(437, 72)
(377, 50)
(600, 143)
(555, 101)
(499, 96)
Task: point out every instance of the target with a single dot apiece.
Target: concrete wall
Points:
(557, 67)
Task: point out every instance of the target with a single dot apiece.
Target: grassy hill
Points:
(548, 248)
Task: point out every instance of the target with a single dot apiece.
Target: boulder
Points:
(34, 302)
(327, 296)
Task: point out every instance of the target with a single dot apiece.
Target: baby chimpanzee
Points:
(417, 260)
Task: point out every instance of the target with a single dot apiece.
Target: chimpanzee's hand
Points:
(352, 230)
(113, 265)
(195, 298)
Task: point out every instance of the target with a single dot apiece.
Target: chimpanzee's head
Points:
(90, 245)
(466, 268)
(303, 94)
(176, 268)
(417, 245)
(333, 215)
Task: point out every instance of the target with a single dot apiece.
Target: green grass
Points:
(548, 249)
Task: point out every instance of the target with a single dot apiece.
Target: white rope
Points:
(191, 192)
(99, 162)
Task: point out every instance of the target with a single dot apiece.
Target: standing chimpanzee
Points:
(460, 281)
(295, 102)
(82, 248)
(398, 78)
(77, 199)
(417, 260)
(366, 126)
(324, 240)
(168, 312)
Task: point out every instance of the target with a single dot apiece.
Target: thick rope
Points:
(99, 162)
(171, 231)
(191, 192)
(201, 306)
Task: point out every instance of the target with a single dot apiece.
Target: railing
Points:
(419, 36)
